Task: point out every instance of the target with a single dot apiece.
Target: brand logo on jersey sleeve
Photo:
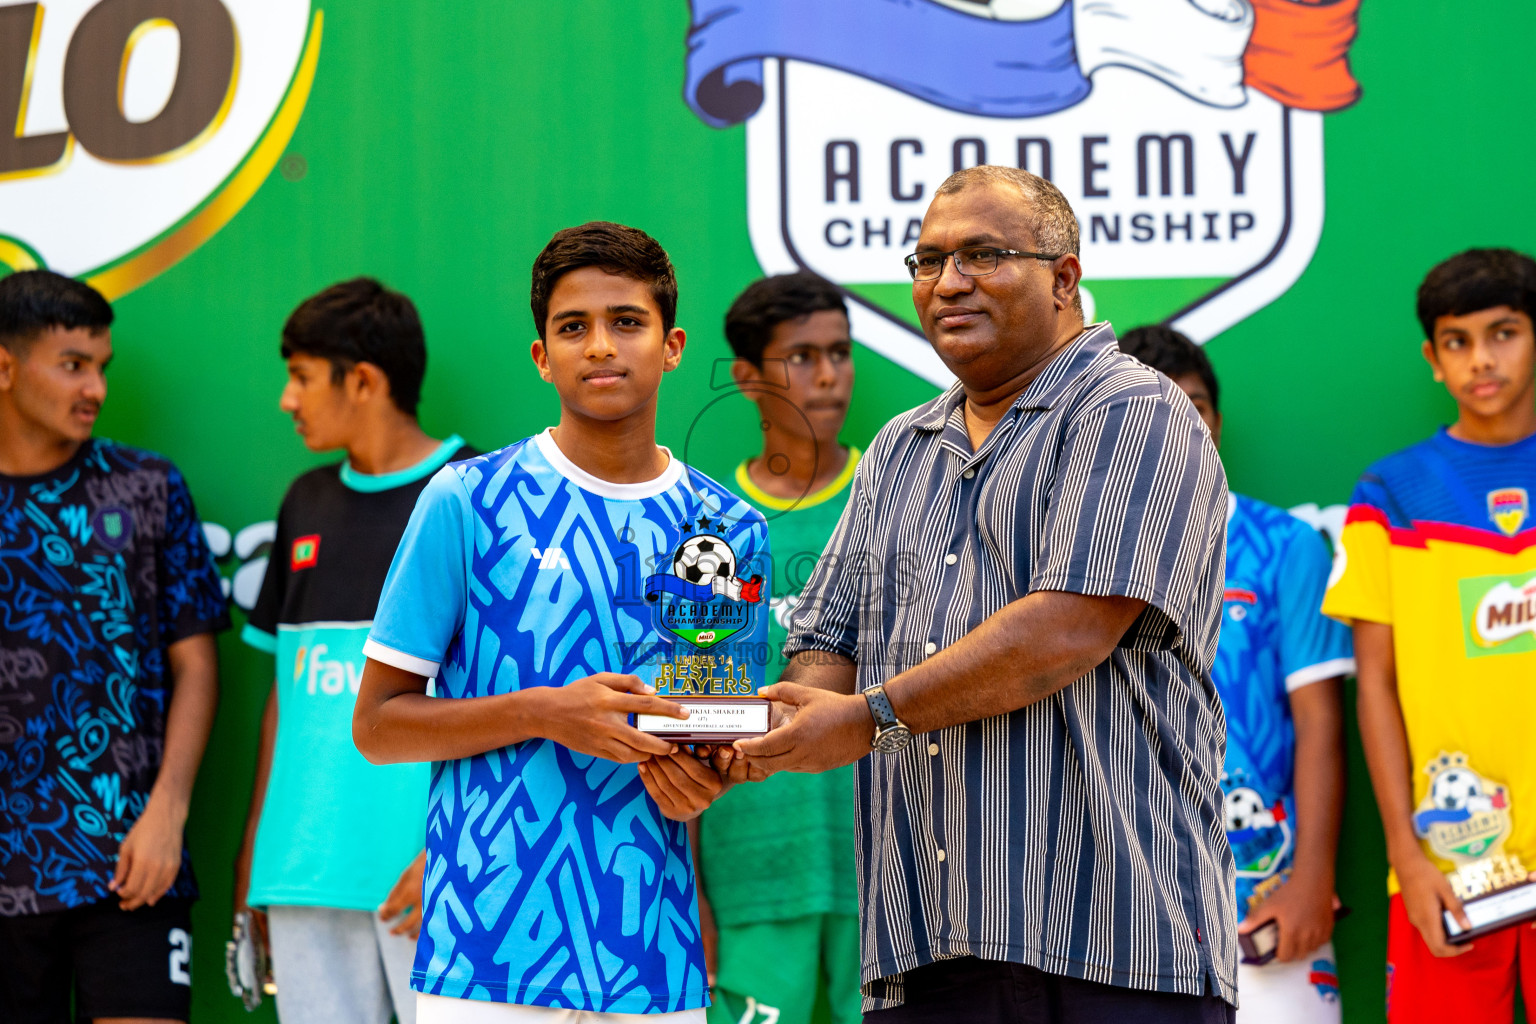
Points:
(1508, 508)
(1499, 614)
(306, 552)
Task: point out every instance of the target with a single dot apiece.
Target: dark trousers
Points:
(966, 989)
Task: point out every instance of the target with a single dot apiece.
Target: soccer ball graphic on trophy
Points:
(701, 558)
(1459, 790)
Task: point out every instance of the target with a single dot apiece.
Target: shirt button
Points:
(933, 749)
(941, 856)
(968, 473)
(951, 559)
(930, 647)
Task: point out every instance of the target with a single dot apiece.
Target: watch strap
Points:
(880, 709)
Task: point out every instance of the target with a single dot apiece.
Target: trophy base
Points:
(1512, 905)
(710, 720)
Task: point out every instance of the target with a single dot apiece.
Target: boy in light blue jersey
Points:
(1279, 668)
(558, 871)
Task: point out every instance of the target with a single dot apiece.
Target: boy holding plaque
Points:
(558, 872)
(1438, 578)
(1278, 670)
(794, 362)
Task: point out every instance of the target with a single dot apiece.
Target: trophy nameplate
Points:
(710, 720)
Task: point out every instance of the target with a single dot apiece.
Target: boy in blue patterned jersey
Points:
(1279, 669)
(559, 884)
(108, 680)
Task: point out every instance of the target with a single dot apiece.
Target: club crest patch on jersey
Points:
(113, 527)
(1463, 815)
(1508, 507)
(1257, 829)
(702, 600)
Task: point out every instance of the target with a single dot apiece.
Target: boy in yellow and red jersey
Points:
(1438, 578)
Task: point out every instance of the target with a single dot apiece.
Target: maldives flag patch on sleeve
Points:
(306, 552)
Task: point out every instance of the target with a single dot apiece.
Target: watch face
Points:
(892, 738)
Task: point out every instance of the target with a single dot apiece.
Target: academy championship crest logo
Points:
(702, 601)
(1186, 134)
(1463, 816)
(1508, 507)
(141, 126)
(1259, 833)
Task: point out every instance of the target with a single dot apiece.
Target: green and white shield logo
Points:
(1187, 136)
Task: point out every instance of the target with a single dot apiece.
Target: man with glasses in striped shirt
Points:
(1018, 612)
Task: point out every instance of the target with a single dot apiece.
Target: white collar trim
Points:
(607, 488)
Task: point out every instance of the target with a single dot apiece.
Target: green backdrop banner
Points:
(1274, 178)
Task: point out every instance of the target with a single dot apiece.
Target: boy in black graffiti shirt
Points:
(109, 681)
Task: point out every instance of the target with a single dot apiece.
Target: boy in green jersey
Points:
(774, 944)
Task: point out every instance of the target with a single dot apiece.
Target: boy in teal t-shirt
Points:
(331, 863)
(780, 941)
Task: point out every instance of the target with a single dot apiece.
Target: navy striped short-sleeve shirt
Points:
(1082, 834)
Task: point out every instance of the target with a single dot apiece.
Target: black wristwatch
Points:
(891, 733)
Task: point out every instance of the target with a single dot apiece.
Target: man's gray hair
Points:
(1051, 217)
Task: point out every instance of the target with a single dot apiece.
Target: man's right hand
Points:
(591, 716)
(734, 766)
(1426, 893)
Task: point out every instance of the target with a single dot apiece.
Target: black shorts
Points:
(117, 963)
(987, 991)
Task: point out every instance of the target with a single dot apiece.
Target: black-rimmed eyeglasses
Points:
(972, 261)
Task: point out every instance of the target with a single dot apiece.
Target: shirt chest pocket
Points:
(1009, 512)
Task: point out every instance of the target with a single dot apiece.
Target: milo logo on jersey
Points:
(1188, 137)
(1499, 614)
(1463, 816)
(141, 127)
(702, 601)
(1257, 829)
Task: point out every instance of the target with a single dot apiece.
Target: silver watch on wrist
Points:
(891, 733)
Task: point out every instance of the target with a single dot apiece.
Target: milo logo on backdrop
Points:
(1187, 135)
(141, 127)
